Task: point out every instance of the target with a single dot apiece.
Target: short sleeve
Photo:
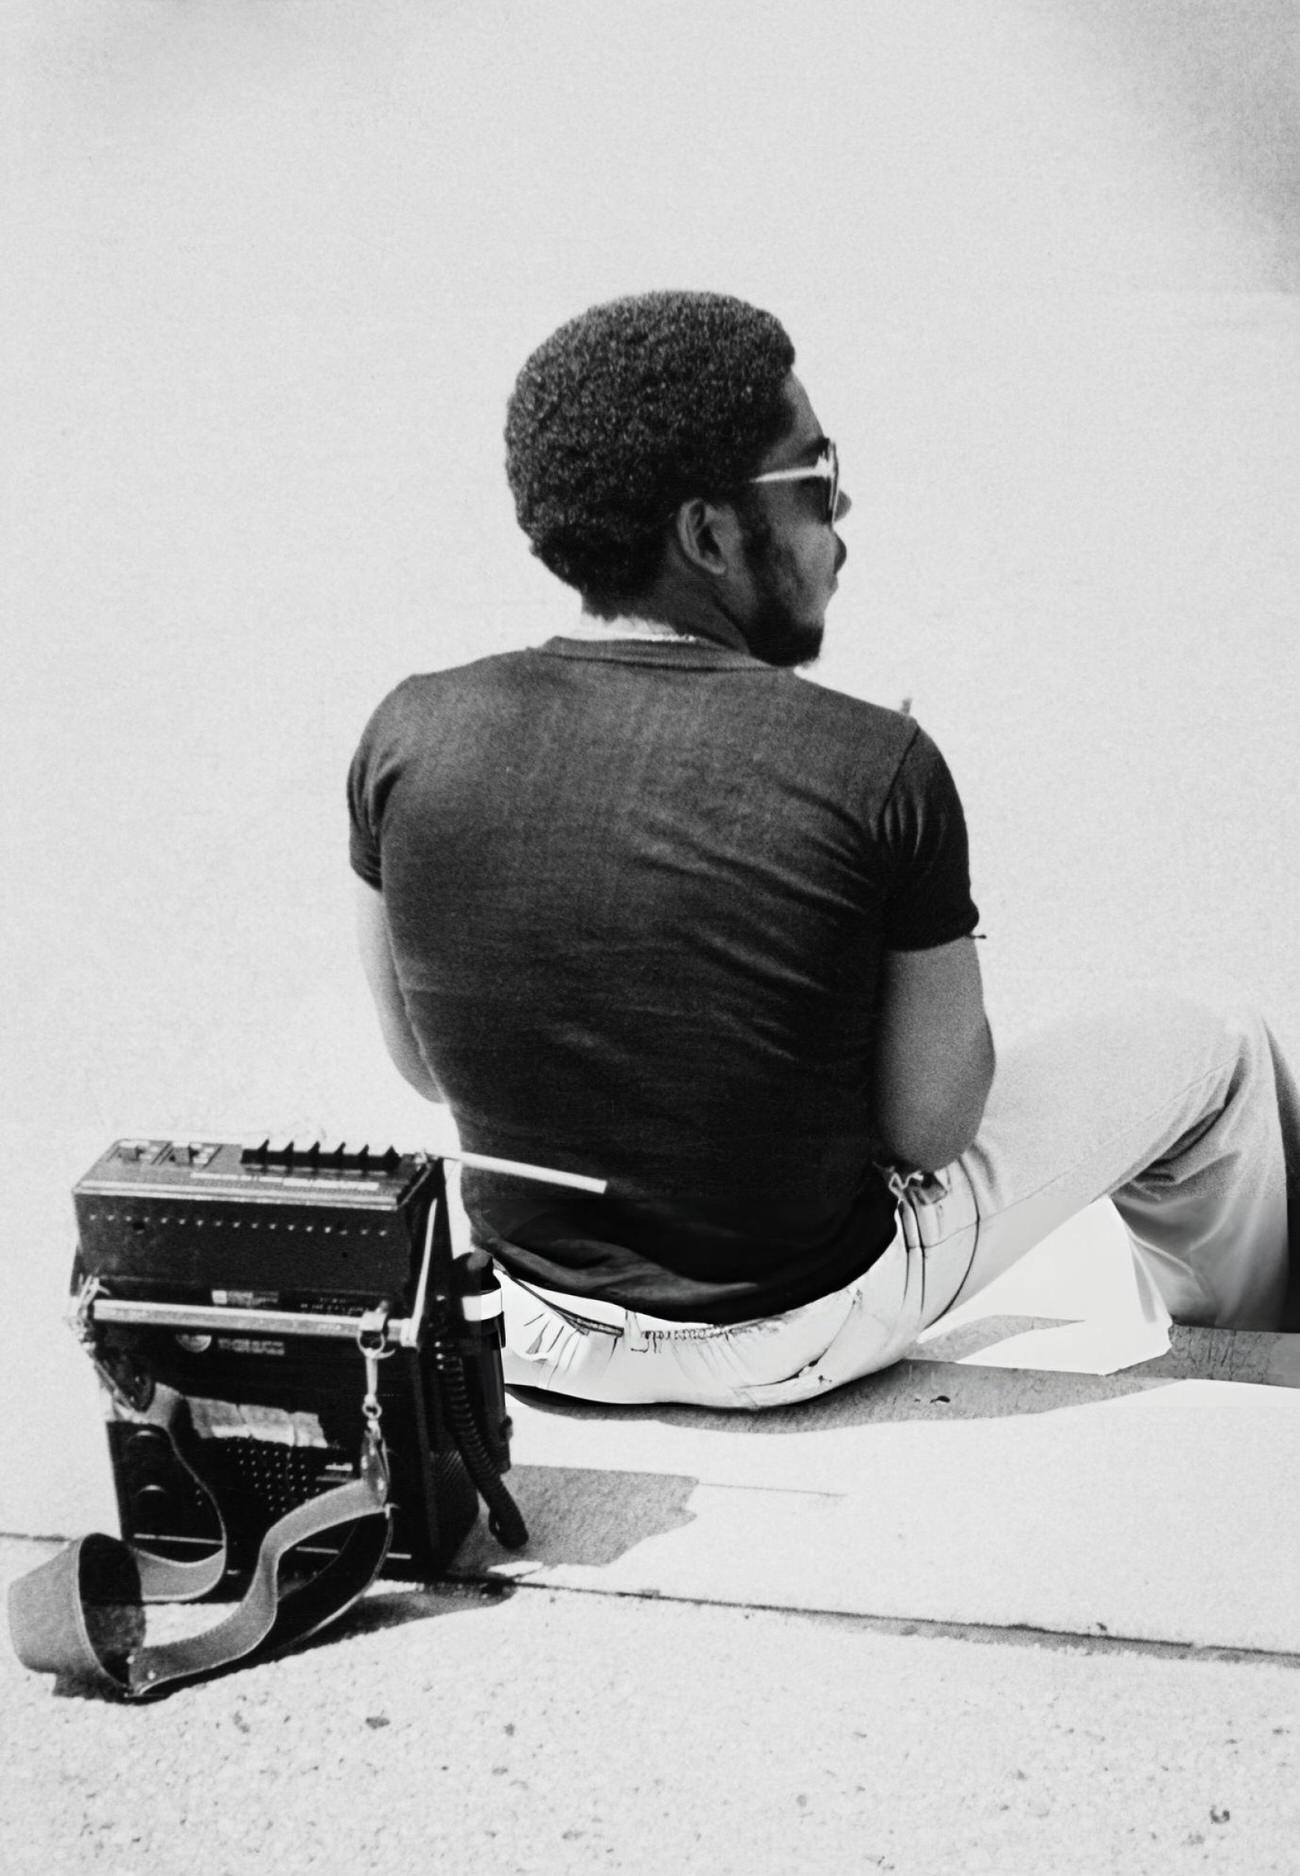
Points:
(370, 779)
(923, 832)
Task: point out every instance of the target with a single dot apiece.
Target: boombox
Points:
(301, 1384)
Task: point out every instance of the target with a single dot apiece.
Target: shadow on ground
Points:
(911, 1390)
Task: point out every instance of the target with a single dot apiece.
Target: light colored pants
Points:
(1179, 1107)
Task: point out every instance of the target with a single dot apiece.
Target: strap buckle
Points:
(130, 1384)
(372, 1340)
(80, 1314)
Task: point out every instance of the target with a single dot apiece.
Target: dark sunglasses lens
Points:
(833, 485)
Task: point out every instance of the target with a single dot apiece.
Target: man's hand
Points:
(381, 975)
(934, 1054)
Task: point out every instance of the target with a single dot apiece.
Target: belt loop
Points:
(637, 1340)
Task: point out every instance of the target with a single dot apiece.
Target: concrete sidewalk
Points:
(508, 1730)
(953, 1619)
(1136, 1505)
(1155, 1503)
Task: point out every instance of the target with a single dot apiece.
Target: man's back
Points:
(638, 895)
(650, 907)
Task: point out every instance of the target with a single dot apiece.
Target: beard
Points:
(779, 639)
(776, 632)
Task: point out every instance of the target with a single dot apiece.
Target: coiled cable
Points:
(504, 1519)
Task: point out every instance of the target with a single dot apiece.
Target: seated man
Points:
(643, 904)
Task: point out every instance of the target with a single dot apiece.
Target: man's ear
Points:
(707, 536)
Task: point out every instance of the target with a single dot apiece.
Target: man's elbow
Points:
(927, 1144)
(406, 1056)
(419, 1078)
(929, 1133)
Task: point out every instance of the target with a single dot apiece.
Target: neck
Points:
(688, 613)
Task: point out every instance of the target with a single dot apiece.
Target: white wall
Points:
(272, 268)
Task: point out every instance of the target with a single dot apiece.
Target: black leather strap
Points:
(80, 1614)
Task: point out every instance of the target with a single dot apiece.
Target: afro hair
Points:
(629, 410)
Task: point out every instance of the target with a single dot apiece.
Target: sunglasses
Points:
(825, 469)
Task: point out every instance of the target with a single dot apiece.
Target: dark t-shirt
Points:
(638, 893)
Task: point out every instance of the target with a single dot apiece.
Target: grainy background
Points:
(271, 268)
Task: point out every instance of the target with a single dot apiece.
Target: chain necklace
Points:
(630, 628)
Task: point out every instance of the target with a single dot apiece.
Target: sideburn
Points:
(755, 529)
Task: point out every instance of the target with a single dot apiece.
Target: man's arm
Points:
(934, 1054)
(377, 963)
